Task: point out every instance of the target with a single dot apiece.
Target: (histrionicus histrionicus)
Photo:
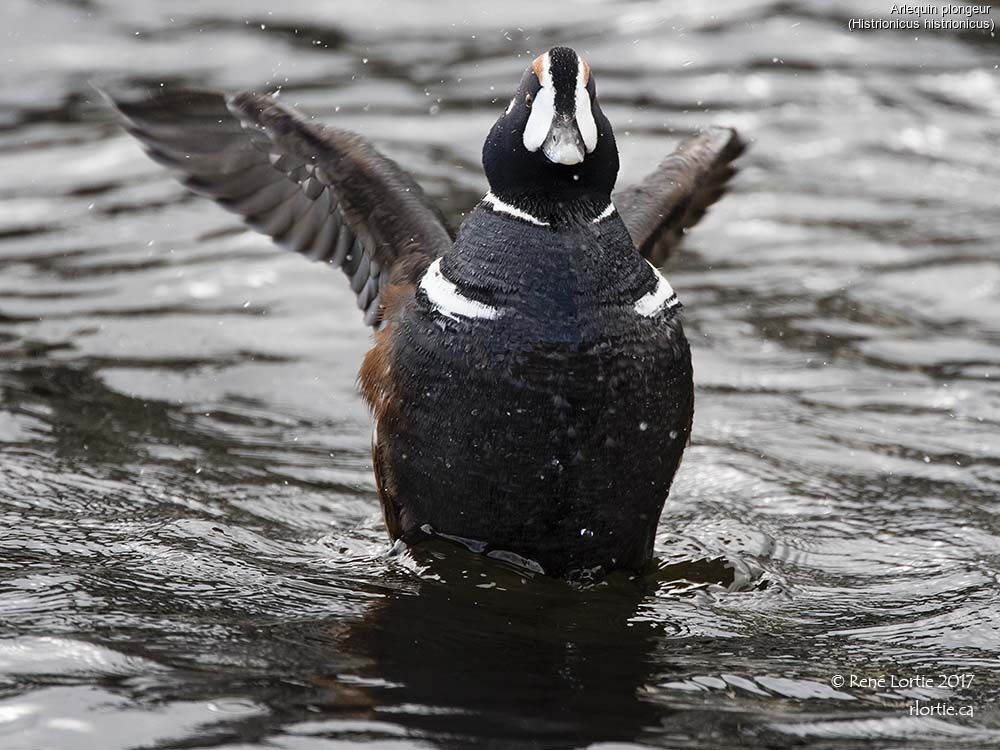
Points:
(530, 380)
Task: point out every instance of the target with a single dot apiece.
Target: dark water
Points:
(190, 548)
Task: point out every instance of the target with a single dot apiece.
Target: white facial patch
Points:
(449, 301)
(543, 109)
(584, 115)
(661, 297)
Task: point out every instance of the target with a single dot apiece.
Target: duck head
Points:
(553, 143)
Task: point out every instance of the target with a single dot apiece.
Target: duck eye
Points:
(527, 100)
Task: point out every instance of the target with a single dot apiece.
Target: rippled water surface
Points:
(191, 553)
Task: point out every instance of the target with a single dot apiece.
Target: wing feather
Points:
(318, 191)
(675, 196)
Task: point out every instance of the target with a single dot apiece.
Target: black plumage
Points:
(530, 380)
(555, 430)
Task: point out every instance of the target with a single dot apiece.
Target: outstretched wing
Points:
(677, 193)
(322, 192)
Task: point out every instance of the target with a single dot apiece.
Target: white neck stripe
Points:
(604, 214)
(505, 208)
(661, 297)
(449, 301)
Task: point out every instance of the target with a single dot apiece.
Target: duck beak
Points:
(564, 144)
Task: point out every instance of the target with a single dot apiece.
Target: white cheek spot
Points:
(543, 109)
(449, 301)
(584, 114)
(662, 297)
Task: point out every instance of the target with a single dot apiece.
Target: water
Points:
(190, 548)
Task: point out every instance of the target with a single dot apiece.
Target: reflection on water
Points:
(190, 547)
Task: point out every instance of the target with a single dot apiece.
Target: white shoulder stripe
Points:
(449, 301)
(661, 297)
(505, 208)
(604, 214)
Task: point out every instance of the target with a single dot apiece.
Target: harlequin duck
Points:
(530, 381)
